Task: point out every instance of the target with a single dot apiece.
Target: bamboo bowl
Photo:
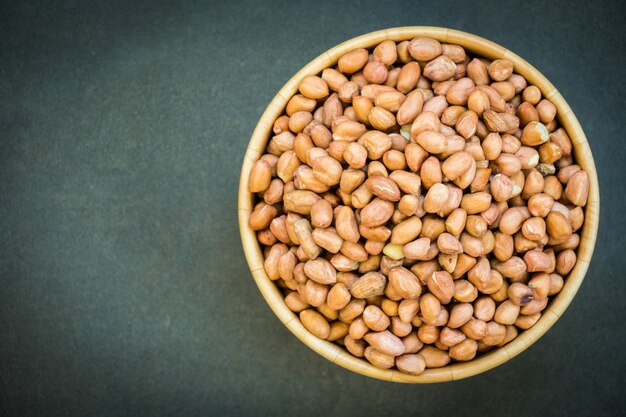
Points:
(454, 371)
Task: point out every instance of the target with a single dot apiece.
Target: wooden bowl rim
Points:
(455, 371)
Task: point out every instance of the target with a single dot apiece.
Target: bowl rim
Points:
(336, 354)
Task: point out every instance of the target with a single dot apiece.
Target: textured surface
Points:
(124, 290)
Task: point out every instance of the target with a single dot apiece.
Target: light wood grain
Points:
(335, 353)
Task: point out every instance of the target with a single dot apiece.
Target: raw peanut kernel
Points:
(441, 286)
(321, 271)
(383, 187)
(456, 165)
(534, 134)
(448, 244)
(500, 69)
(577, 189)
(375, 318)
(260, 177)
(386, 342)
(313, 87)
(436, 197)
(440, 69)
(424, 49)
(315, 323)
(353, 61)
(369, 285)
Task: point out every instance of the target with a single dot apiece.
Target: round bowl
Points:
(454, 371)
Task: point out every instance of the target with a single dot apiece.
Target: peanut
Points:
(385, 342)
(313, 87)
(353, 61)
(407, 309)
(375, 319)
(315, 323)
(500, 69)
(433, 357)
(424, 49)
(441, 286)
(379, 359)
(411, 364)
(441, 68)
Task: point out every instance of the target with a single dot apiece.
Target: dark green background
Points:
(123, 286)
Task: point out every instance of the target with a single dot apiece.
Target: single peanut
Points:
(315, 323)
(378, 359)
(500, 69)
(476, 202)
(262, 216)
(565, 262)
(441, 286)
(412, 344)
(434, 357)
(321, 271)
(441, 68)
(383, 187)
(456, 165)
(577, 189)
(430, 307)
(375, 319)
(411, 364)
(353, 61)
(424, 49)
(430, 172)
(385, 342)
(407, 309)
(313, 87)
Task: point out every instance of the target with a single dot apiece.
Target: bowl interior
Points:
(582, 152)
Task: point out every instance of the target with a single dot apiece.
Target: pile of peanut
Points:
(417, 205)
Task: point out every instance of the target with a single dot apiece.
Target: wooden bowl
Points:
(454, 371)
